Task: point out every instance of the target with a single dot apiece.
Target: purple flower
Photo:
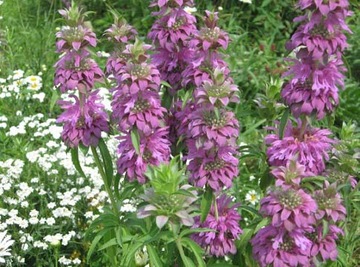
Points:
(290, 176)
(201, 68)
(171, 3)
(171, 64)
(115, 62)
(173, 29)
(309, 145)
(75, 38)
(325, 7)
(121, 32)
(224, 220)
(321, 36)
(216, 169)
(325, 246)
(213, 129)
(77, 71)
(143, 111)
(274, 246)
(154, 149)
(138, 77)
(211, 37)
(291, 209)
(217, 94)
(329, 204)
(83, 121)
(182, 115)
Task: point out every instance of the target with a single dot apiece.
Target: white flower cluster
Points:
(17, 86)
(57, 185)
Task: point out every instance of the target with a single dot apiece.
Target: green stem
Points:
(103, 175)
(56, 256)
(181, 251)
(303, 126)
(179, 246)
(215, 208)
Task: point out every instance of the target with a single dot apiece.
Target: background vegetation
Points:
(256, 57)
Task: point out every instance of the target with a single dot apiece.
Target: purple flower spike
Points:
(273, 246)
(143, 111)
(75, 38)
(154, 149)
(77, 71)
(172, 29)
(83, 122)
(329, 204)
(213, 130)
(217, 170)
(172, 3)
(325, 246)
(217, 94)
(138, 77)
(310, 147)
(289, 209)
(291, 175)
(225, 223)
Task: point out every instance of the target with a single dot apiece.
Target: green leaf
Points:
(53, 100)
(110, 243)
(154, 257)
(245, 237)
(250, 210)
(195, 230)
(189, 262)
(184, 193)
(166, 84)
(76, 162)
(283, 122)
(94, 243)
(116, 186)
(261, 224)
(135, 139)
(325, 228)
(195, 249)
(266, 180)
(107, 160)
(129, 253)
(222, 264)
(84, 149)
(206, 203)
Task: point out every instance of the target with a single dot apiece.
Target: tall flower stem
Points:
(303, 126)
(178, 244)
(103, 175)
(215, 208)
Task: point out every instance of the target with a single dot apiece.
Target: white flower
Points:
(39, 244)
(54, 240)
(1, 2)
(65, 261)
(39, 96)
(76, 261)
(34, 213)
(18, 74)
(5, 244)
(252, 197)
(246, 1)
(33, 79)
(50, 221)
(33, 220)
(190, 10)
